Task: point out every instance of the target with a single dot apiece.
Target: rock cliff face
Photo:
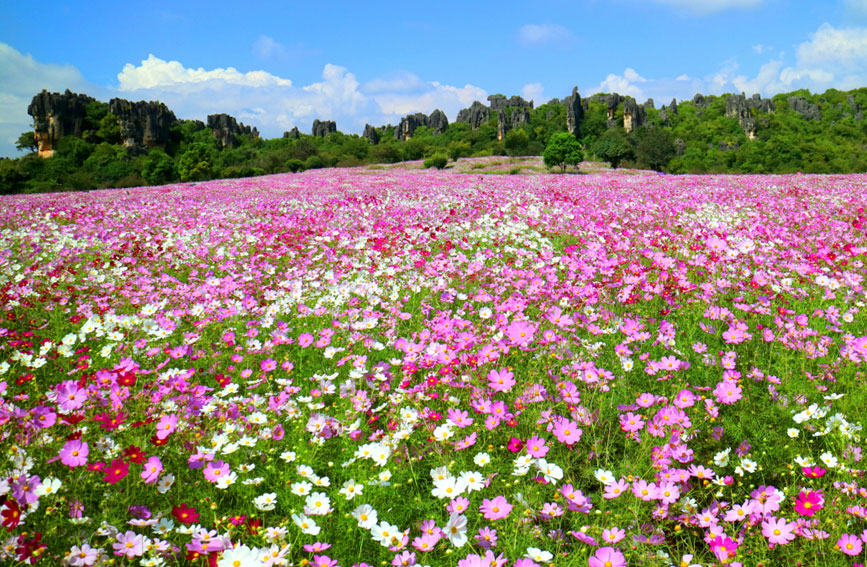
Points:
(324, 127)
(476, 115)
(756, 102)
(293, 134)
(225, 128)
(737, 107)
(574, 111)
(634, 115)
(56, 115)
(371, 134)
(805, 108)
(408, 125)
(700, 101)
(438, 121)
(142, 124)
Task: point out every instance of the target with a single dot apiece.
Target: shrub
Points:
(438, 161)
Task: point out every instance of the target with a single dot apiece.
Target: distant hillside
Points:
(80, 143)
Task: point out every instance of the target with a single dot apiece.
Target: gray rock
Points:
(293, 134)
(224, 128)
(322, 128)
(554, 101)
(737, 107)
(756, 102)
(142, 124)
(408, 125)
(438, 121)
(649, 105)
(725, 146)
(371, 134)
(679, 146)
(574, 111)
(805, 108)
(700, 101)
(634, 115)
(497, 102)
(476, 115)
(672, 108)
(56, 115)
(612, 101)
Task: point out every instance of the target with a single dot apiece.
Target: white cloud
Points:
(267, 47)
(629, 84)
(155, 72)
(858, 7)
(535, 35)
(23, 77)
(397, 83)
(534, 92)
(705, 7)
(447, 98)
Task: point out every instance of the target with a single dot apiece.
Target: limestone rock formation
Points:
(293, 134)
(855, 109)
(679, 146)
(649, 104)
(633, 115)
(574, 111)
(756, 102)
(612, 101)
(672, 108)
(438, 121)
(737, 107)
(805, 108)
(225, 128)
(322, 128)
(408, 125)
(198, 125)
(371, 134)
(142, 124)
(56, 115)
(700, 101)
(476, 115)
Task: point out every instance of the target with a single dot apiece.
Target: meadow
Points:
(391, 366)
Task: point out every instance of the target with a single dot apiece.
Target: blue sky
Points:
(280, 64)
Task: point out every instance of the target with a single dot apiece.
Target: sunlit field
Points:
(389, 366)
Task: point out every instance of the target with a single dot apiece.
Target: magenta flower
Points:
(536, 447)
(305, 340)
(727, 392)
(515, 445)
(613, 535)
(520, 332)
(849, 544)
(215, 470)
(74, 453)
(166, 425)
(501, 380)
(567, 432)
(268, 365)
(129, 544)
(607, 557)
(496, 508)
(151, 470)
(808, 503)
(723, 547)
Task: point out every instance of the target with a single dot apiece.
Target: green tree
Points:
(459, 149)
(109, 129)
(613, 147)
(197, 162)
(562, 150)
(11, 177)
(516, 142)
(26, 141)
(655, 148)
(159, 168)
(438, 161)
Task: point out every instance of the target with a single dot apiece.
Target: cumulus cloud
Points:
(24, 77)
(538, 35)
(155, 72)
(705, 7)
(534, 92)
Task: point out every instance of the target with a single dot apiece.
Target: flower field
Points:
(405, 367)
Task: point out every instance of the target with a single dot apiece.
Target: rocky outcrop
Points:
(574, 111)
(438, 121)
(371, 134)
(700, 101)
(322, 128)
(56, 115)
(511, 113)
(293, 134)
(679, 146)
(612, 101)
(737, 107)
(649, 104)
(408, 125)
(499, 102)
(634, 115)
(766, 105)
(672, 108)
(476, 115)
(805, 108)
(855, 109)
(225, 128)
(142, 124)
(666, 112)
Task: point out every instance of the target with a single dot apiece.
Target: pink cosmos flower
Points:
(536, 447)
(305, 340)
(615, 489)
(723, 547)
(567, 432)
(69, 396)
(727, 392)
(496, 508)
(501, 380)
(74, 453)
(216, 470)
(613, 535)
(129, 544)
(166, 425)
(607, 557)
(630, 422)
(515, 445)
(268, 365)
(808, 503)
(778, 531)
(520, 332)
(849, 544)
(151, 470)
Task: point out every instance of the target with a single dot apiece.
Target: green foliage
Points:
(159, 168)
(109, 129)
(613, 147)
(26, 141)
(516, 142)
(294, 165)
(12, 178)
(562, 150)
(75, 149)
(438, 161)
(314, 162)
(655, 148)
(197, 162)
(459, 149)
(109, 163)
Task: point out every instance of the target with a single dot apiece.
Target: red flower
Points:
(185, 514)
(515, 445)
(11, 515)
(116, 471)
(134, 455)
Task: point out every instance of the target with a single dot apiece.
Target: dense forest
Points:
(799, 131)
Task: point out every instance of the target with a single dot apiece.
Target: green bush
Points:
(294, 165)
(314, 162)
(438, 161)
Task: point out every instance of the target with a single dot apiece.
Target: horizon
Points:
(276, 78)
